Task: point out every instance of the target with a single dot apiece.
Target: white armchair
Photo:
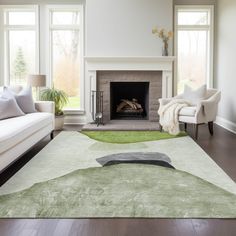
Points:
(203, 113)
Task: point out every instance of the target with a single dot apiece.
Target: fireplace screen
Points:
(129, 100)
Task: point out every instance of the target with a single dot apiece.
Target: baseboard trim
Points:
(226, 124)
(75, 120)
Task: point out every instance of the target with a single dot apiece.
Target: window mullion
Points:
(64, 27)
(193, 27)
(7, 61)
(20, 27)
(1, 46)
(37, 40)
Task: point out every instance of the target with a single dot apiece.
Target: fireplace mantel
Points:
(94, 64)
(159, 58)
(130, 63)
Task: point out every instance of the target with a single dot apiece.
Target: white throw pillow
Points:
(9, 107)
(195, 96)
(24, 99)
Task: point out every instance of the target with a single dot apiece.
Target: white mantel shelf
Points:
(131, 59)
(94, 64)
(130, 63)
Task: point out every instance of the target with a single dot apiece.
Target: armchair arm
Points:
(215, 99)
(212, 101)
(208, 107)
(45, 106)
(164, 101)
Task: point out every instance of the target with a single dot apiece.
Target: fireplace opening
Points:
(129, 100)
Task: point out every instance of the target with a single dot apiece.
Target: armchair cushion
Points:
(188, 111)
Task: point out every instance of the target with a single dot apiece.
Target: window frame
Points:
(6, 28)
(50, 29)
(209, 27)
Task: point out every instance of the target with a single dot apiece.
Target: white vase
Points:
(59, 122)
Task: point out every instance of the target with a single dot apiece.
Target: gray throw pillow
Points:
(195, 96)
(24, 99)
(9, 108)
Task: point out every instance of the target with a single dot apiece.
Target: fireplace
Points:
(100, 72)
(129, 100)
(138, 89)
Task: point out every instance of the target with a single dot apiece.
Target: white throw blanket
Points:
(169, 115)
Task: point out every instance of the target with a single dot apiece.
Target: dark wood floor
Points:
(221, 148)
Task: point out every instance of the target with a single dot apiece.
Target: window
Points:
(20, 43)
(194, 46)
(65, 36)
(60, 44)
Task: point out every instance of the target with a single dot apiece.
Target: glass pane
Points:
(22, 55)
(193, 18)
(21, 18)
(65, 18)
(66, 66)
(192, 58)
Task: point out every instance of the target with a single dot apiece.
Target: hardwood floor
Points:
(221, 148)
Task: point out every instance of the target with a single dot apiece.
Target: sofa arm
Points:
(45, 106)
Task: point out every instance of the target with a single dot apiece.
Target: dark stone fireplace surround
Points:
(153, 78)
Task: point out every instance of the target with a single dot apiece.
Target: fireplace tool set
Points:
(97, 107)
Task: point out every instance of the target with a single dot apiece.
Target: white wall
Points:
(116, 28)
(119, 27)
(123, 27)
(225, 62)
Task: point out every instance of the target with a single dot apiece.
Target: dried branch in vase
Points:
(165, 36)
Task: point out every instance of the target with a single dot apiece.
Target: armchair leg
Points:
(211, 127)
(196, 130)
(185, 127)
(52, 135)
(160, 128)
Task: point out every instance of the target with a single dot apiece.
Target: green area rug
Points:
(65, 180)
(121, 191)
(129, 136)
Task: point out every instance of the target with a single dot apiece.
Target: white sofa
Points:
(19, 134)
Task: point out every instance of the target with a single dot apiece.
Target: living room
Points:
(117, 118)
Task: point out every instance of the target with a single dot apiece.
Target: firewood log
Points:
(129, 105)
(121, 106)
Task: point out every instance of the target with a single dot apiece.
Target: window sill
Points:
(74, 112)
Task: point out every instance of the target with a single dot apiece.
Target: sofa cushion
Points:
(14, 130)
(9, 107)
(24, 99)
(188, 111)
(13, 88)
